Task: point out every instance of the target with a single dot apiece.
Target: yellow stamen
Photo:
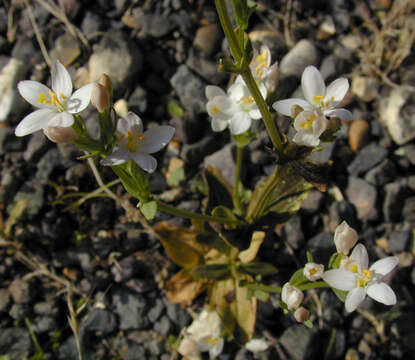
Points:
(247, 100)
(42, 99)
(360, 283)
(211, 340)
(367, 274)
(63, 97)
(132, 141)
(306, 125)
(318, 99)
(313, 271)
(354, 268)
(216, 109)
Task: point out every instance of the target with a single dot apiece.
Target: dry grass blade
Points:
(59, 13)
(11, 27)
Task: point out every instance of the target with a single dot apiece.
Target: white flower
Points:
(359, 280)
(235, 109)
(345, 238)
(291, 296)
(262, 70)
(309, 126)
(188, 348)
(56, 106)
(313, 271)
(257, 345)
(136, 145)
(206, 332)
(320, 99)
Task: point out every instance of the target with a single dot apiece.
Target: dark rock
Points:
(321, 247)
(409, 152)
(20, 291)
(156, 310)
(363, 196)
(44, 324)
(395, 194)
(15, 342)
(399, 241)
(177, 315)
(293, 233)
(33, 192)
(49, 162)
(408, 211)
(45, 308)
(163, 326)
(131, 309)
(69, 351)
(155, 347)
(100, 320)
(367, 158)
(383, 173)
(4, 300)
(190, 89)
(19, 311)
(193, 154)
(207, 69)
(10, 142)
(154, 24)
(91, 24)
(137, 101)
(224, 162)
(342, 210)
(313, 201)
(37, 146)
(299, 342)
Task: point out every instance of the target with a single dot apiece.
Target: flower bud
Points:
(291, 296)
(301, 314)
(106, 82)
(188, 348)
(100, 97)
(344, 238)
(60, 134)
(313, 271)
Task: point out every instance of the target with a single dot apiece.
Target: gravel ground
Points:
(161, 55)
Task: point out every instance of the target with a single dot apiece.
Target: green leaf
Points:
(16, 212)
(282, 192)
(308, 323)
(340, 294)
(223, 211)
(261, 295)
(176, 177)
(334, 262)
(212, 240)
(255, 268)
(309, 256)
(298, 277)
(219, 191)
(149, 209)
(211, 271)
(175, 110)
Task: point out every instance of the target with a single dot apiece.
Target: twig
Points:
(37, 33)
(73, 322)
(379, 325)
(99, 179)
(287, 20)
(11, 28)
(275, 343)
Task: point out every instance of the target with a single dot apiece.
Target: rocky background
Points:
(161, 55)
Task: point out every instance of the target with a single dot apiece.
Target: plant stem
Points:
(236, 198)
(192, 215)
(313, 285)
(263, 108)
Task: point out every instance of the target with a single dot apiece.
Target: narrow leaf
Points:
(258, 268)
(211, 271)
(298, 277)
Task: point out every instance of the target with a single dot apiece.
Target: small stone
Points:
(15, 342)
(406, 259)
(19, 311)
(163, 326)
(4, 299)
(190, 89)
(91, 24)
(303, 54)
(396, 113)
(395, 194)
(207, 69)
(313, 201)
(156, 311)
(363, 196)
(131, 309)
(137, 101)
(208, 38)
(100, 320)
(66, 49)
(131, 18)
(293, 233)
(20, 291)
(366, 88)
(321, 247)
(381, 174)
(358, 135)
(408, 211)
(44, 324)
(36, 147)
(11, 103)
(408, 151)
(299, 342)
(33, 192)
(399, 241)
(155, 25)
(326, 29)
(177, 315)
(223, 161)
(367, 158)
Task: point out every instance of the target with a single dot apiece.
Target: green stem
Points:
(236, 198)
(192, 215)
(228, 29)
(313, 285)
(263, 108)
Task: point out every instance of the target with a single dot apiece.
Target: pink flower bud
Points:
(301, 314)
(100, 97)
(60, 134)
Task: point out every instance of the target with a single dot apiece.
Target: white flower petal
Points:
(343, 114)
(312, 84)
(33, 122)
(146, 162)
(302, 118)
(80, 99)
(284, 107)
(382, 293)
(219, 124)
(319, 125)
(239, 123)
(156, 138)
(131, 121)
(257, 345)
(63, 119)
(337, 90)
(255, 114)
(340, 279)
(118, 157)
(385, 266)
(61, 80)
(354, 298)
(360, 257)
(212, 91)
(30, 91)
(237, 91)
(344, 238)
(217, 349)
(306, 139)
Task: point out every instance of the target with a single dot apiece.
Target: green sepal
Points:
(213, 271)
(255, 268)
(334, 262)
(308, 323)
(309, 256)
(261, 295)
(340, 294)
(298, 278)
(148, 209)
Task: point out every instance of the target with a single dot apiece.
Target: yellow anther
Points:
(42, 99)
(313, 271)
(133, 140)
(211, 340)
(367, 274)
(354, 268)
(54, 99)
(360, 283)
(247, 100)
(216, 109)
(63, 97)
(318, 99)
(306, 125)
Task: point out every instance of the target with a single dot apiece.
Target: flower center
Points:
(313, 271)
(54, 100)
(212, 341)
(366, 276)
(306, 125)
(216, 109)
(261, 63)
(318, 101)
(133, 139)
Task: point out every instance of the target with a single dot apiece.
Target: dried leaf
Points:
(182, 288)
(249, 254)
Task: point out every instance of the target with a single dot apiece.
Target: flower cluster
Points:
(236, 109)
(354, 274)
(320, 102)
(203, 335)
